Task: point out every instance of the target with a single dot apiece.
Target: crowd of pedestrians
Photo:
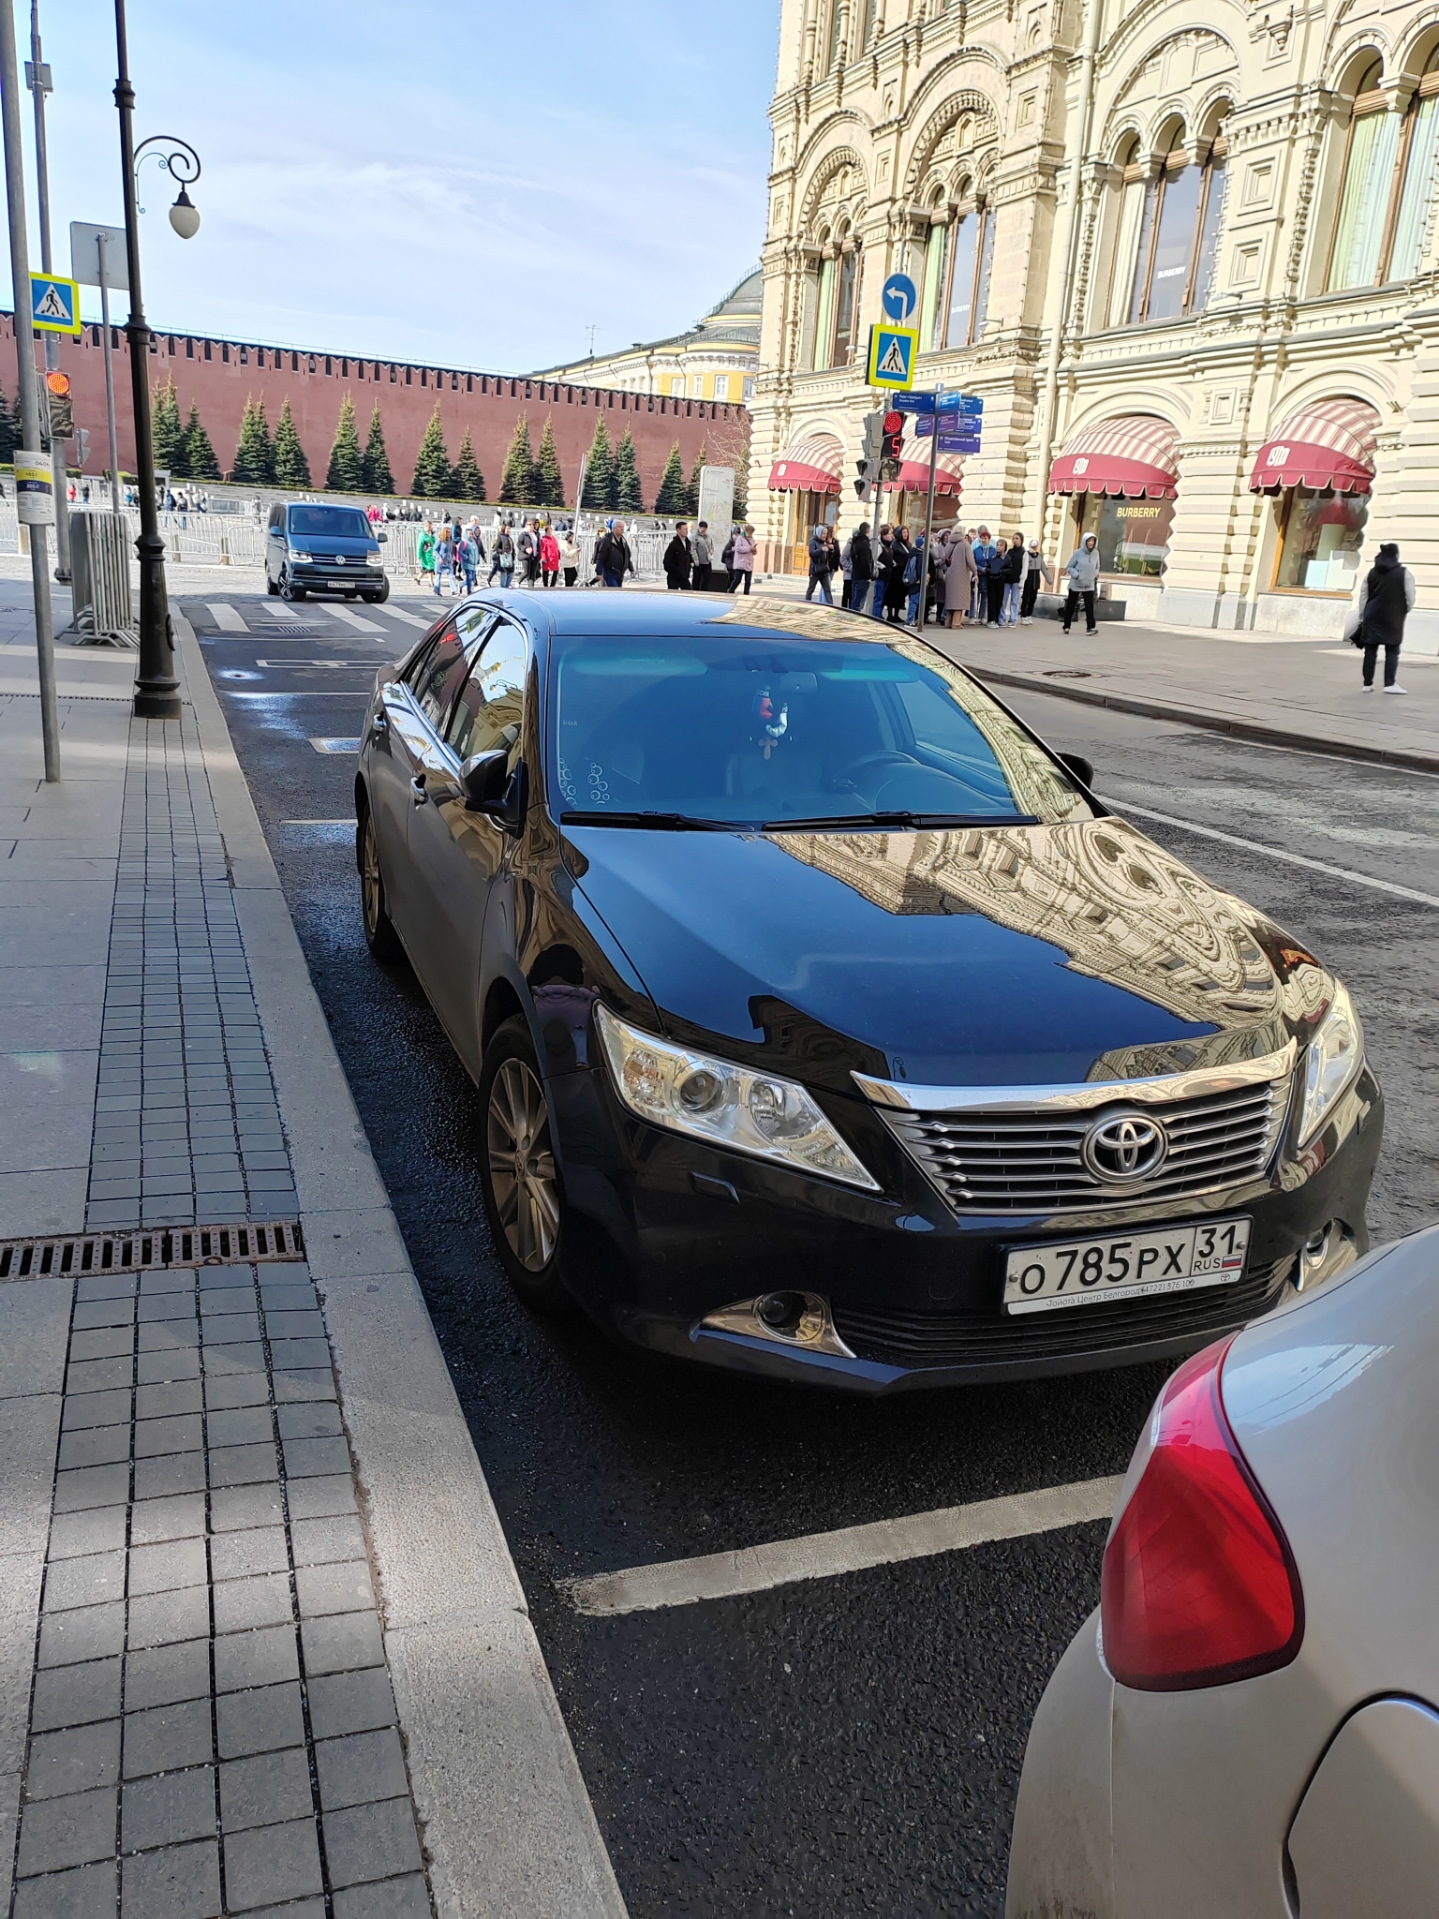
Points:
(689, 559)
(451, 554)
(968, 578)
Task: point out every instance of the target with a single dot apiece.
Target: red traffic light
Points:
(59, 384)
(894, 423)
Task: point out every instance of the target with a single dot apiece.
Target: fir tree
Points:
(673, 496)
(517, 482)
(167, 430)
(292, 466)
(600, 470)
(254, 463)
(466, 481)
(346, 472)
(628, 495)
(432, 463)
(378, 477)
(692, 491)
(549, 480)
(200, 461)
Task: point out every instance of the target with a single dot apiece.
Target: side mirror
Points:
(1081, 768)
(484, 779)
(382, 537)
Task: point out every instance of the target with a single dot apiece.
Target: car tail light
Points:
(1199, 1584)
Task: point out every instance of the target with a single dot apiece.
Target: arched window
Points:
(1132, 195)
(871, 7)
(931, 333)
(831, 52)
(1179, 234)
(1388, 184)
(824, 307)
(957, 265)
(846, 304)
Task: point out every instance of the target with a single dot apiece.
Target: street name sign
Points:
(54, 304)
(892, 351)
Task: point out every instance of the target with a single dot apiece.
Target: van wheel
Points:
(380, 935)
(288, 589)
(520, 1179)
(270, 586)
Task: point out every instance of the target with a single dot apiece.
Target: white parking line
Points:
(355, 620)
(226, 617)
(684, 1582)
(1276, 853)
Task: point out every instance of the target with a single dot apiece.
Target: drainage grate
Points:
(1066, 673)
(237, 1245)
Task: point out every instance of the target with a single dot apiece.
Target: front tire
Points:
(270, 587)
(380, 935)
(523, 1197)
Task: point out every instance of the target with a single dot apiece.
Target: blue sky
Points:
(465, 185)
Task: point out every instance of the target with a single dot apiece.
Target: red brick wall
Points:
(484, 403)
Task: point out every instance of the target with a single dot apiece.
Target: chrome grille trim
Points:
(997, 1163)
(1082, 1097)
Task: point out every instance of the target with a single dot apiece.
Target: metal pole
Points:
(100, 245)
(928, 516)
(157, 691)
(29, 385)
(37, 75)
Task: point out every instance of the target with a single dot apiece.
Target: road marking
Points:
(347, 666)
(1276, 853)
(279, 611)
(345, 822)
(330, 746)
(226, 617)
(355, 620)
(410, 619)
(684, 1582)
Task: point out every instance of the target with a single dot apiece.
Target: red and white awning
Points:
(1329, 443)
(1134, 456)
(812, 465)
(914, 469)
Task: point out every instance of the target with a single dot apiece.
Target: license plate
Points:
(1172, 1259)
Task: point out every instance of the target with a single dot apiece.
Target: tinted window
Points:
(775, 725)
(437, 674)
(329, 522)
(490, 709)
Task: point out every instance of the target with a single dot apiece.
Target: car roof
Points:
(599, 611)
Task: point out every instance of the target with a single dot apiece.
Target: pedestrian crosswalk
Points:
(264, 616)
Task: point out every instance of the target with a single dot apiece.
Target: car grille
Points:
(952, 1339)
(1033, 1162)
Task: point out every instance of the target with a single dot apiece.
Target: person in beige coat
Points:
(960, 574)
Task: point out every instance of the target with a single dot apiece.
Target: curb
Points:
(507, 1821)
(1214, 722)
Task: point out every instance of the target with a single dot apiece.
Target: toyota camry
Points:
(825, 1024)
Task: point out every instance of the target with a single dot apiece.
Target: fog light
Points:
(787, 1318)
(781, 1312)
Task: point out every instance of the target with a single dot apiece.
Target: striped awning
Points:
(1329, 443)
(1133, 455)
(812, 465)
(914, 469)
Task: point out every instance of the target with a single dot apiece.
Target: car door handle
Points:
(417, 789)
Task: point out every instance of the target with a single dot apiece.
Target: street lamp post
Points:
(157, 691)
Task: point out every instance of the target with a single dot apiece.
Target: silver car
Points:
(1249, 1724)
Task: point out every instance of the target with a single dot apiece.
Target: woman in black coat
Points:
(896, 593)
(1385, 597)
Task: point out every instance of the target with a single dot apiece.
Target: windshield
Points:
(774, 728)
(329, 522)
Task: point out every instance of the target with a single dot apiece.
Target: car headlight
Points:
(373, 558)
(296, 554)
(1336, 1052)
(727, 1105)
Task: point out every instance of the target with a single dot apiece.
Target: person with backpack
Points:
(741, 564)
(502, 556)
(678, 559)
(613, 558)
(1386, 598)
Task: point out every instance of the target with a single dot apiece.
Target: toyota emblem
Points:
(1125, 1147)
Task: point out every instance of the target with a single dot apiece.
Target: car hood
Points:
(1008, 955)
(331, 543)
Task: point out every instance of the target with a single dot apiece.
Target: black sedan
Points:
(825, 1024)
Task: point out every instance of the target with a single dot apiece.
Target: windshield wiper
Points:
(906, 821)
(660, 822)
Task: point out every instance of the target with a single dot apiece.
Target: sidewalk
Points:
(262, 1645)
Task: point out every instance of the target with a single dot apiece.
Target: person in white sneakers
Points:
(1386, 596)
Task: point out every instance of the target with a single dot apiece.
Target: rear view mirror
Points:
(484, 779)
(1081, 768)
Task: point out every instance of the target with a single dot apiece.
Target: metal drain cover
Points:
(1066, 673)
(242, 1243)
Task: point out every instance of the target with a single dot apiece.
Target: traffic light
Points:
(867, 465)
(892, 441)
(62, 405)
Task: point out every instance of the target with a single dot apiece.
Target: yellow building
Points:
(1185, 250)
(716, 360)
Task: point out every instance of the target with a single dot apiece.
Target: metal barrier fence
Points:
(101, 548)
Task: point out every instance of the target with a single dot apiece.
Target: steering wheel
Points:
(873, 762)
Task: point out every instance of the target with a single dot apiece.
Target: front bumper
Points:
(678, 1231)
(316, 578)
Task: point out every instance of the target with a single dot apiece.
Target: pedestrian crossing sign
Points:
(891, 355)
(54, 304)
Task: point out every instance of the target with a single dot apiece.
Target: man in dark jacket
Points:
(1386, 597)
(861, 568)
(678, 559)
(613, 558)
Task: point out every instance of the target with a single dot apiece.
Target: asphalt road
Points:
(849, 1745)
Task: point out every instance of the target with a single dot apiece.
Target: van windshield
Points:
(769, 728)
(329, 522)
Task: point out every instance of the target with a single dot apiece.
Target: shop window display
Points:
(1320, 540)
(1133, 534)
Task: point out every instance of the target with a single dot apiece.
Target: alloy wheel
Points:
(522, 1165)
(370, 878)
